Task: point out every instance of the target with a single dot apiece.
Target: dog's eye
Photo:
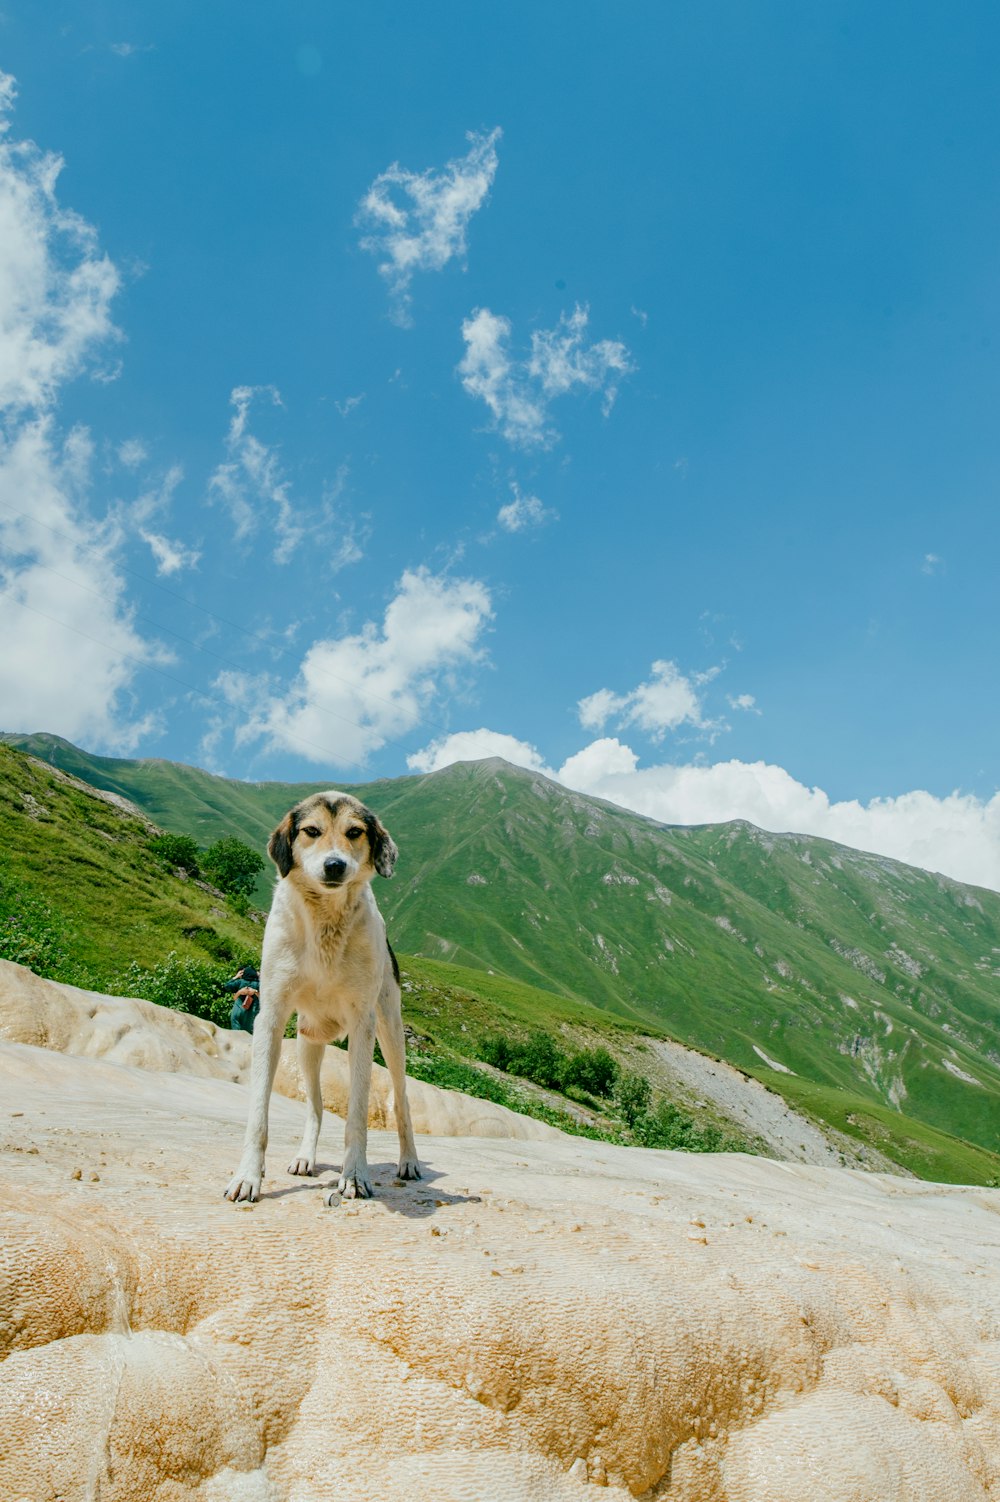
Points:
(355, 833)
(312, 831)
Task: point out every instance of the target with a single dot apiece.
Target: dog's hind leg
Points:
(354, 1182)
(310, 1063)
(392, 1041)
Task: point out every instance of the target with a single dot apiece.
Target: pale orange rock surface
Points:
(534, 1319)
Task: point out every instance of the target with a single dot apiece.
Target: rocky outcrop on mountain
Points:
(529, 1320)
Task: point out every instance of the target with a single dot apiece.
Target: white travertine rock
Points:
(530, 1320)
(127, 1030)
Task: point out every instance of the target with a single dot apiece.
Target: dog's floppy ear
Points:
(279, 846)
(382, 845)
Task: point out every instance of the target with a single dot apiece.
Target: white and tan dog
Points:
(327, 958)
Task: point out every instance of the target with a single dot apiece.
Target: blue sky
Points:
(610, 387)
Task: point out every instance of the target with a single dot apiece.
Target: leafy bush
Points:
(632, 1096)
(540, 1060)
(498, 1051)
(665, 1125)
(30, 932)
(178, 851)
(232, 866)
(184, 985)
(593, 1070)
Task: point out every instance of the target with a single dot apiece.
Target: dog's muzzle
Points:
(334, 870)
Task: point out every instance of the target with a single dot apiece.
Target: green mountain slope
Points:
(856, 973)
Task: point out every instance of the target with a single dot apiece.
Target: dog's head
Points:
(332, 839)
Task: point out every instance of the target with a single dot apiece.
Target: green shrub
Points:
(632, 1097)
(593, 1070)
(232, 866)
(178, 851)
(184, 985)
(665, 1125)
(497, 1050)
(30, 932)
(540, 1060)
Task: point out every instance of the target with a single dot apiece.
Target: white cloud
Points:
(931, 563)
(596, 709)
(518, 392)
(603, 758)
(667, 700)
(347, 406)
(56, 287)
(476, 745)
(560, 360)
(62, 599)
(417, 221)
(171, 557)
(958, 835)
(353, 694)
(253, 486)
(157, 498)
(522, 512)
(743, 701)
(131, 453)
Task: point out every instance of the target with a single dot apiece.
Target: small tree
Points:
(632, 1097)
(540, 1060)
(176, 850)
(593, 1070)
(233, 866)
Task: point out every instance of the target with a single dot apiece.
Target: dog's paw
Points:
(409, 1168)
(243, 1187)
(354, 1186)
(304, 1166)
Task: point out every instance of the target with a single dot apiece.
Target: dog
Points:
(326, 957)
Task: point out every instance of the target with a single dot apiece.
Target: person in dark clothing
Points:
(246, 1000)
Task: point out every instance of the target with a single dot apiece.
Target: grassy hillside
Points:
(110, 902)
(857, 974)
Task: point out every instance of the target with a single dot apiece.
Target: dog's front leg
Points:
(354, 1182)
(267, 1035)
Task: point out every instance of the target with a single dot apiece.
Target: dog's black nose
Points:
(334, 868)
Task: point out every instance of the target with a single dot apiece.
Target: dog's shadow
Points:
(415, 1198)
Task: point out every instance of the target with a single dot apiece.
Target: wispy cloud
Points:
(665, 701)
(253, 485)
(523, 511)
(931, 564)
(171, 557)
(347, 406)
(131, 453)
(56, 286)
(355, 692)
(518, 391)
(416, 221)
(745, 702)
